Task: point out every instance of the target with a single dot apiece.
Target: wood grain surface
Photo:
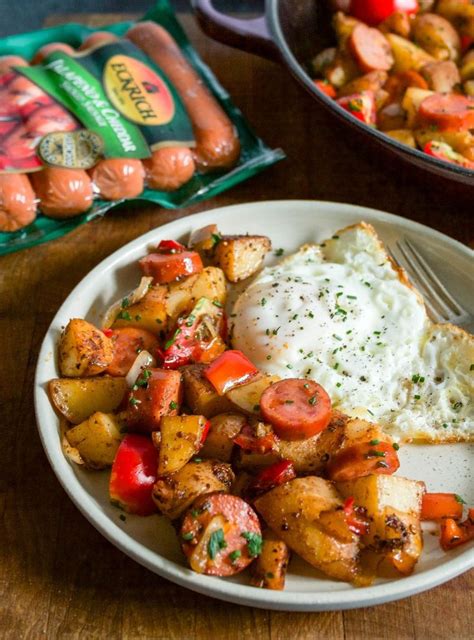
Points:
(59, 578)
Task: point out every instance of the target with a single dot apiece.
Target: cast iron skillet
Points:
(292, 32)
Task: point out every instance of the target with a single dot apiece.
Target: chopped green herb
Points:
(216, 543)
(338, 384)
(194, 513)
(279, 252)
(457, 406)
(374, 442)
(235, 555)
(289, 366)
(190, 321)
(216, 238)
(417, 397)
(188, 536)
(269, 575)
(173, 405)
(396, 446)
(458, 498)
(336, 337)
(471, 368)
(254, 543)
(138, 318)
(122, 517)
(133, 401)
(352, 297)
(125, 303)
(198, 460)
(216, 303)
(124, 315)
(263, 302)
(445, 425)
(312, 401)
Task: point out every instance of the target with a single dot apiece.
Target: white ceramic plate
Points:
(152, 541)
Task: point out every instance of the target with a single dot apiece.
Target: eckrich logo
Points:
(137, 91)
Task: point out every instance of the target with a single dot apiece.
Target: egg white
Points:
(343, 314)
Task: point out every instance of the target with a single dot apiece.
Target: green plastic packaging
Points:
(255, 155)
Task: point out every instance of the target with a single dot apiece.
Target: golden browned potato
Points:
(307, 514)
(97, 439)
(199, 394)
(437, 36)
(460, 13)
(83, 350)
(173, 494)
(442, 76)
(407, 55)
(79, 398)
(391, 116)
(246, 397)
(180, 440)
(254, 461)
(372, 81)
(269, 569)
(399, 22)
(239, 257)
(342, 70)
(405, 136)
(343, 25)
(460, 141)
(322, 60)
(393, 506)
(467, 66)
(149, 313)
(182, 296)
(411, 103)
(220, 438)
(468, 87)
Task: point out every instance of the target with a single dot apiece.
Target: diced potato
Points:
(322, 60)
(294, 510)
(182, 296)
(180, 440)
(83, 350)
(406, 54)
(241, 256)
(247, 396)
(460, 141)
(269, 569)
(411, 103)
(342, 70)
(200, 396)
(173, 494)
(343, 25)
(467, 70)
(77, 399)
(393, 507)
(254, 461)
(372, 81)
(220, 438)
(398, 22)
(437, 36)
(468, 87)
(149, 313)
(97, 439)
(405, 136)
(460, 13)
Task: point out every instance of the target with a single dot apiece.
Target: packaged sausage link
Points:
(94, 118)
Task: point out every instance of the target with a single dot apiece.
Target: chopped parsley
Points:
(416, 378)
(216, 303)
(471, 368)
(279, 252)
(133, 401)
(374, 442)
(254, 543)
(417, 397)
(216, 238)
(396, 446)
(263, 302)
(458, 498)
(124, 315)
(289, 366)
(235, 555)
(188, 536)
(216, 543)
(173, 405)
(125, 303)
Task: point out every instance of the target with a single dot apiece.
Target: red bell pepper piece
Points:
(436, 506)
(205, 432)
(374, 12)
(249, 441)
(229, 370)
(108, 332)
(274, 475)
(326, 88)
(170, 246)
(466, 42)
(453, 533)
(361, 106)
(354, 521)
(133, 475)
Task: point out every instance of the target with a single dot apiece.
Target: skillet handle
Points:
(252, 35)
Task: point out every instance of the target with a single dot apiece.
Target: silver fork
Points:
(440, 304)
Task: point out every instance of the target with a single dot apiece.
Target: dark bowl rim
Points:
(274, 25)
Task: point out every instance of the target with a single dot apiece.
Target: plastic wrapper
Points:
(90, 119)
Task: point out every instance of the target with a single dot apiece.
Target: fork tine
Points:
(442, 291)
(441, 311)
(435, 315)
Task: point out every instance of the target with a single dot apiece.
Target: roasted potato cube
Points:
(199, 394)
(220, 438)
(342, 70)
(254, 461)
(437, 36)
(239, 257)
(269, 569)
(77, 399)
(398, 22)
(182, 296)
(406, 54)
(180, 440)
(460, 141)
(460, 13)
(247, 396)
(294, 510)
(97, 439)
(173, 494)
(411, 103)
(83, 350)
(149, 313)
(405, 136)
(372, 81)
(393, 506)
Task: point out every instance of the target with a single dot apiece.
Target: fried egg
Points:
(343, 314)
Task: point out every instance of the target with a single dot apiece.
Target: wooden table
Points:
(58, 576)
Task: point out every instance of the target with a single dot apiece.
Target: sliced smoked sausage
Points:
(447, 111)
(7, 62)
(220, 535)
(371, 49)
(127, 343)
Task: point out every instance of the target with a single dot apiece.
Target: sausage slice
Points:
(371, 49)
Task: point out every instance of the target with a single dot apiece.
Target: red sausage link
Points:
(297, 408)
(97, 39)
(168, 267)
(41, 54)
(447, 111)
(220, 535)
(169, 168)
(117, 178)
(371, 49)
(127, 343)
(63, 193)
(217, 142)
(7, 62)
(17, 202)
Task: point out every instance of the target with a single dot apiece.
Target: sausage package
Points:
(90, 119)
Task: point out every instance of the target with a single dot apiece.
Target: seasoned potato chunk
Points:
(97, 439)
(182, 296)
(77, 399)
(406, 54)
(200, 396)
(411, 103)
(405, 136)
(269, 569)
(83, 350)
(393, 506)
(241, 256)
(149, 313)
(220, 438)
(437, 36)
(173, 494)
(247, 396)
(180, 440)
(306, 513)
